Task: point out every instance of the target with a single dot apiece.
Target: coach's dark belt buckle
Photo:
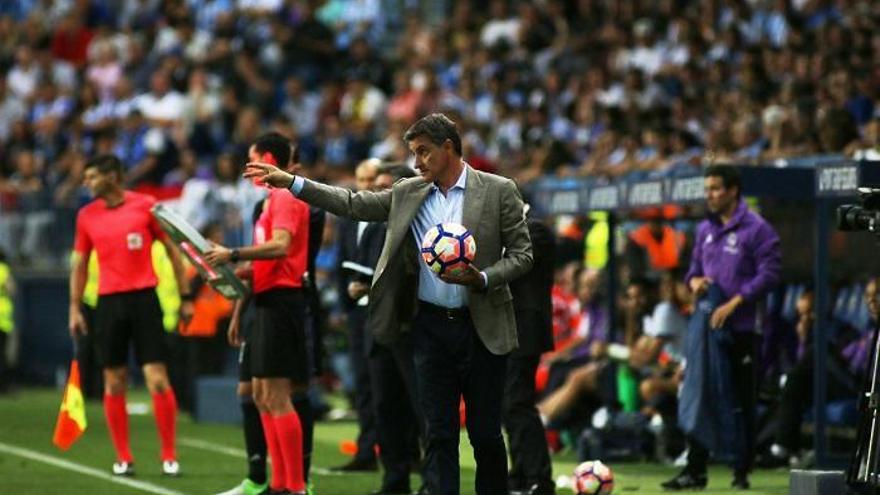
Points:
(454, 313)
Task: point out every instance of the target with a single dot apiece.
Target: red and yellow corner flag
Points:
(72, 416)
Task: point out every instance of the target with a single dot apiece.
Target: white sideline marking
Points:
(88, 471)
(234, 452)
(212, 447)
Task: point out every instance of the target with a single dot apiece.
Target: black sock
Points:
(254, 441)
(303, 407)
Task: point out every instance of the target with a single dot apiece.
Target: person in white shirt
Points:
(162, 106)
(22, 79)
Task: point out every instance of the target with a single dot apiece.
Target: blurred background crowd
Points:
(178, 88)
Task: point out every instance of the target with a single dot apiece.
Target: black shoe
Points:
(686, 480)
(535, 489)
(357, 465)
(740, 481)
(392, 490)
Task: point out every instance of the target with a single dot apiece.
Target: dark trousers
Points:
(451, 362)
(363, 394)
(797, 395)
(399, 422)
(742, 353)
(90, 371)
(529, 456)
(201, 356)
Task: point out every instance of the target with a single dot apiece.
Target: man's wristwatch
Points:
(235, 256)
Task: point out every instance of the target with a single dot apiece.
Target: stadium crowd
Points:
(180, 88)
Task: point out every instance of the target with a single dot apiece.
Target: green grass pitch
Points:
(211, 459)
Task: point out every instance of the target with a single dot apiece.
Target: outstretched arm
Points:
(365, 205)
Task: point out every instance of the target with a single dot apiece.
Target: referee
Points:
(277, 349)
(120, 228)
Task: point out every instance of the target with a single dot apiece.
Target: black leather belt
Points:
(448, 313)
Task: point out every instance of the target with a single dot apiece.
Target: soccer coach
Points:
(736, 250)
(462, 326)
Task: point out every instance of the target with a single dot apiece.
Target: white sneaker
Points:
(170, 468)
(123, 468)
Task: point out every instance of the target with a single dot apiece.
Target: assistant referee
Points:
(120, 228)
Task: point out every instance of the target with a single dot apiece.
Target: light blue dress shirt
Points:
(436, 208)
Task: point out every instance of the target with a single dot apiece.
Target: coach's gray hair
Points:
(437, 128)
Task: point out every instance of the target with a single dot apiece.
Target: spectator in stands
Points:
(581, 325)
(615, 85)
(23, 77)
(12, 109)
(565, 316)
(235, 199)
(24, 229)
(659, 355)
(363, 104)
(846, 365)
(837, 131)
(162, 106)
(301, 107)
(597, 378)
(405, 100)
(747, 139)
(66, 182)
(502, 27)
(105, 71)
(201, 109)
(867, 149)
(654, 246)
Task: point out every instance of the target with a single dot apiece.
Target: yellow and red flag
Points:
(72, 416)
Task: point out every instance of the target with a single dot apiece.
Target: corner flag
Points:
(72, 416)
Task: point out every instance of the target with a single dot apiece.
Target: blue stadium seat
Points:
(853, 304)
(789, 302)
(774, 301)
(838, 413)
(838, 311)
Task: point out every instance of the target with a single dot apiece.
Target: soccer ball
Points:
(448, 248)
(593, 478)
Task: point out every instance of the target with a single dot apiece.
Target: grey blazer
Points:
(492, 211)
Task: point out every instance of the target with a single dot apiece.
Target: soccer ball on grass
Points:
(593, 478)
